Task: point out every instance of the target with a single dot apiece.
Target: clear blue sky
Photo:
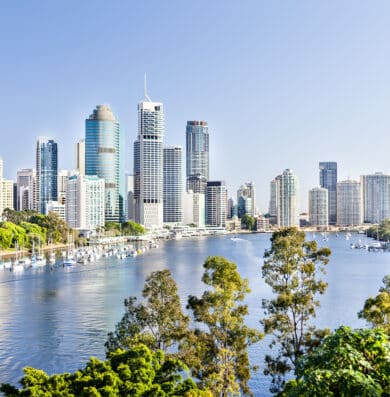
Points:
(283, 84)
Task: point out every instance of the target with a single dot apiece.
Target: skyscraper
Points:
(318, 207)
(47, 172)
(287, 194)
(349, 203)
(130, 197)
(148, 164)
(80, 156)
(216, 203)
(246, 199)
(376, 197)
(328, 180)
(62, 180)
(272, 203)
(104, 158)
(173, 185)
(197, 155)
(25, 180)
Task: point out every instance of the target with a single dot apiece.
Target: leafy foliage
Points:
(347, 363)
(377, 310)
(131, 228)
(158, 323)
(381, 231)
(248, 222)
(138, 372)
(217, 352)
(291, 269)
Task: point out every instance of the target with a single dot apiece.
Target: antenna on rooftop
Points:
(146, 89)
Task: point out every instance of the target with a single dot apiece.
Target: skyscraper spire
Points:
(146, 90)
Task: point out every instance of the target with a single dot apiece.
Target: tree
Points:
(158, 323)
(248, 221)
(377, 310)
(219, 350)
(57, 229)
(291, 268)
(131, 228)
(138, 372)
(347, 363)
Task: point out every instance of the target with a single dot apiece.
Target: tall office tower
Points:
(85, 202)
(216, 203)
(80, 156)
(287, 193)
(349, 203)
(318, 207)
(25, 181)
(130, 197)
(246, 199)
(47, 172)
(62, 181)
(328, 180)
(173, 185)
(230, 207)
(104, 158)
(148, 164)
(376, 197)
(272, 203)
(197, 156)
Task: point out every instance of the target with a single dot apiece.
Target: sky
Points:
(282, 83)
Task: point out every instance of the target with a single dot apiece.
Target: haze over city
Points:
(281, 85)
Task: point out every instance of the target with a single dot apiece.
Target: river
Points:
(55, 320)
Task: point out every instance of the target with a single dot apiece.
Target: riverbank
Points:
(7, 254)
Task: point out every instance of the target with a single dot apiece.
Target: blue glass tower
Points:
(47, 172)
(104, 158)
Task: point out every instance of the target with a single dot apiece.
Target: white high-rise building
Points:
(216, 203)
(62, 181)
(287, 199)
(318, 207)
(173, 184)
(349, 206)
(246, 199)
(148, 165)
(85, 202)
(194, 209)
(25, 190)
(80, 156)
(56, 208)
(376, 197)
(7, 194)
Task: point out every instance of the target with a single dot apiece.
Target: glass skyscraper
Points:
(47, 172)
(197, 156)
(328, 180)
(104, 158)
(148, 165)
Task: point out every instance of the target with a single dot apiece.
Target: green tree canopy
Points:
(347, 363)
(137, 372)
(158, 322)
(131, 228)
(218, 349)
(248, 222)
(377, 310)
(291, 268)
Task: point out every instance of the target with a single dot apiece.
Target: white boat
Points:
(17, 267)
(235, 239)
(38, 260)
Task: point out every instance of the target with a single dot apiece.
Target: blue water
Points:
(57, 320)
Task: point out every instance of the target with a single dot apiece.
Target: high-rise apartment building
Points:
(376, 197)
(246, 199)
(194, 208)
(56, 208)
(173, 184)
(46, 173)
(349, 206)
(197, 155)
(328, 180)
(272, 203)
(287, 199)
(216, 203)
(25, 189)
(104, 158)
(148, 165)
(318, 207)
(7, 194)
(62, 180)
(85, 202)
(80, 156)
(130, 197)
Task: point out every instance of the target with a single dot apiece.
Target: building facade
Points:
(25, 189)
(287, 199)
(197, 155)
(194, 209)
(216, 203)
(318, 207)
(85, 202)
(80, 156)
(376, 197)
(104, 158)
(328, 180)
(349, 206)
(46, 173)
(62, 180)
(173, 185)
(56, 208)
(246, 199)
(148, 165)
